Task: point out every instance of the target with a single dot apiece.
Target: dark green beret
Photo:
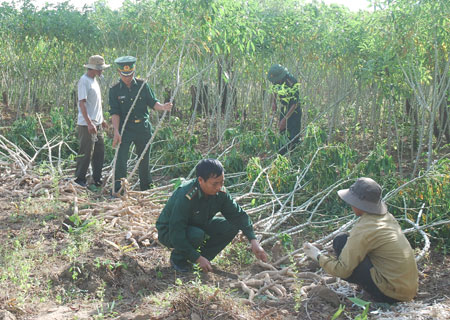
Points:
(126, 65)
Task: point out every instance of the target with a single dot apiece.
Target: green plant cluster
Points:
(178, 150)
(429, 198)
(58, 125)
(327, 164)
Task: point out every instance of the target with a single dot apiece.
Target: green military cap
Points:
(277, 73)
(126, 65)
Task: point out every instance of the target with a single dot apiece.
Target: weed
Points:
(363, 304)
(298, 298)
(197, 271)
(338, 312)
(104, 310)
(77, 226)
(236, 255)
(18, 263)
(110, 265)
(286, 241)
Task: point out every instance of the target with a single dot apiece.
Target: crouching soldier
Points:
(189, 225)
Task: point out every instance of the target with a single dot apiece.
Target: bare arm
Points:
(282, 123)
(115, 119)
(163, 107)
(273, 102)
(258, 251)
(91, 127)
(291, 111)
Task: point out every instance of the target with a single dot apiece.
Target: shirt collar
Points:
(122, 84)
(200, 192)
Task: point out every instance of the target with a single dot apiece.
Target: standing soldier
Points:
(287, 90)
(123, 96)
(90, 123)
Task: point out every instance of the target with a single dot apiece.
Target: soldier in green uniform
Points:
(287, 88)
(138, 129)
(189, 226)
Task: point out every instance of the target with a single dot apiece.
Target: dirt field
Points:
(52, 273)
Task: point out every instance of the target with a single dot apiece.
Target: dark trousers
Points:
(138, 134)
(293, 130)
(91, 151)
(217, 234)
(361, 274)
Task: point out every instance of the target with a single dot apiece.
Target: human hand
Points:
(92, 129)
(167, 106)
(311, 251)
(258, 251)
(282, 124)
(204, 264)
(104, 125)
(116, 140)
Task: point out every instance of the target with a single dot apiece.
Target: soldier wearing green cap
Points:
(137, 128)
(287, 90)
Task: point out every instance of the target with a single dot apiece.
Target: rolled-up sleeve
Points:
(113, 102)
(151, 99)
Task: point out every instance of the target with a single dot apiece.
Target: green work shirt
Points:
(121, 98)
(189, 206)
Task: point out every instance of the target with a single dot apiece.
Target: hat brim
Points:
(366, 206)
(126, 73)
(96, 66)
(277, 79)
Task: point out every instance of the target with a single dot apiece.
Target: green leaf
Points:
(338, 312)
(359, 302)
(177, 183)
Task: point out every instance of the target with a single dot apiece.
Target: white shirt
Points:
(89, 89)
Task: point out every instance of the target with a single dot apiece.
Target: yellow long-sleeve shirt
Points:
(381, 239)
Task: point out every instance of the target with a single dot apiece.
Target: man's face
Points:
(212, 185)
(358, 212)
(98, 72)
(126, 79)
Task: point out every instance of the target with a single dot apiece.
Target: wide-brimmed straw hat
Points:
(364, 194)
(96, 63)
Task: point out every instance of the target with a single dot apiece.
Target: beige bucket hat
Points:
(97, 63)
(364, 194)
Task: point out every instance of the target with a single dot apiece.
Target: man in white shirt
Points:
(90, 123)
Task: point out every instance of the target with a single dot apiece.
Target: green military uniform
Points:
(138, 129)
(289, 95)
(188, 219)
